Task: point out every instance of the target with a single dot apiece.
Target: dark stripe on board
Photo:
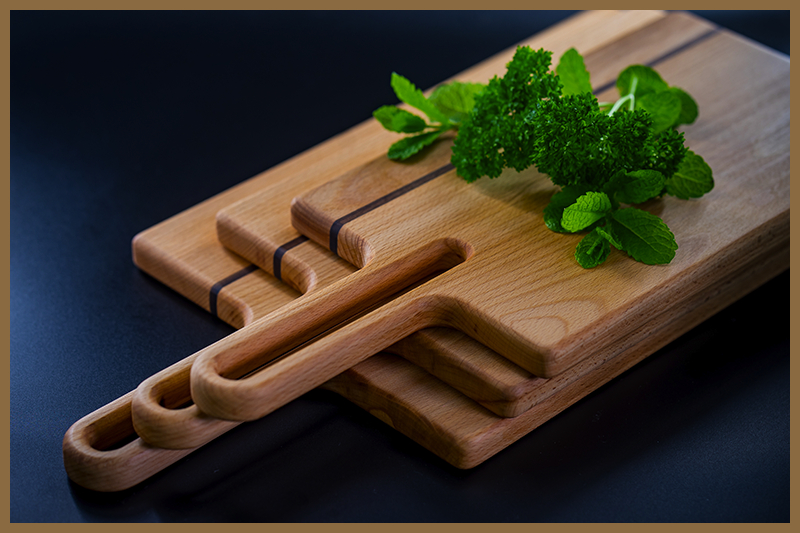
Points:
(281, 251)
(212, 296)
(338, 223)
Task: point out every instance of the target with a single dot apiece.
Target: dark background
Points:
(122, 119)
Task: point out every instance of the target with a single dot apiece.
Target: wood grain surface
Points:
(465, 434)
(102, 452)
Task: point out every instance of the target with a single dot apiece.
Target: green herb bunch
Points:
(602, 155)
(446, 108)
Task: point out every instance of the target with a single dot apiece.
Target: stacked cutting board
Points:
(446, 309)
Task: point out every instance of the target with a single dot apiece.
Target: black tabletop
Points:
(122, 119)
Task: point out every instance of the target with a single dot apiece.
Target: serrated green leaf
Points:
(572, 73)
(664, 108)
(395, 119)
(647, 81)
(560, 201)
(644, 236)
(587, 209)
(408, 146)
(455, 99)
(693, 178)
(688, 107)
(637, 186)
(592, 250)
(408, 93)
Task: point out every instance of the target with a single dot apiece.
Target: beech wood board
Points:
(183, 253)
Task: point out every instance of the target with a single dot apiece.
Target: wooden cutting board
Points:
(501, 276)
(102, 452)
(155, 251)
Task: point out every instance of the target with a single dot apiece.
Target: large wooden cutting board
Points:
(180, 253)
(507, 280)
(103, 452)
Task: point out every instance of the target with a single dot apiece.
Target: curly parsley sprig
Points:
(602, 155)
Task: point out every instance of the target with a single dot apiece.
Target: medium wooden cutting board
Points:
(508, 281)
(307, 268)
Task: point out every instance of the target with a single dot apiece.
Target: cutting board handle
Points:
(290, 377)
(164, 416)
(160, 414)
(101, 452)
(215, 386)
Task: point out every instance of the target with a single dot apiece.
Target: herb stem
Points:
(634, 83)
(619, 103)
(627, 98)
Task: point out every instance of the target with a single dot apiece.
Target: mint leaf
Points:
(693, 178)
(572, 73)
(408, 146)
(456, 99)
(395, 119)
(587, 210)
(664, 108)
(647, 81)
(688, 106)
(560, 201)
(457, 95)
(592, 250)
(637, 186)
(607, 232)
(408, 93)
(644, 236)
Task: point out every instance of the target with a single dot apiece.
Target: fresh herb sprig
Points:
(446, 108)
(602, 155)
